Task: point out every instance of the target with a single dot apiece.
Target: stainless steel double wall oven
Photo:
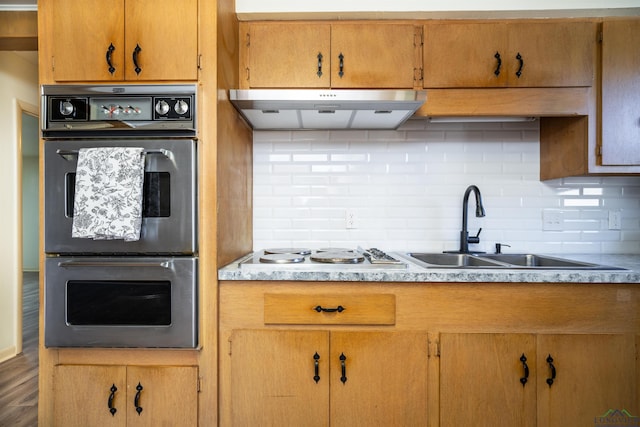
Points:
(118, 293)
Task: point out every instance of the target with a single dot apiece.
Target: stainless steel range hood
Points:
(291, 109)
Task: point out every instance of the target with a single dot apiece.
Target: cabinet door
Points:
(372, 55)
(288, 55)
(552, 54)
(166, 34)
(83, 395)
(162, 396)
(465, 55)
(620, 92)
(81, 34)
(481, 379)
(274, 381)
(385, 378)
(594, 374)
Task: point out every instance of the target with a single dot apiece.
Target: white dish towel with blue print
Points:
(108, 193)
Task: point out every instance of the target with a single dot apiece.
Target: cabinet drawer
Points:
(329, 309)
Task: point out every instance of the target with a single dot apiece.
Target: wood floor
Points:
(19, 376)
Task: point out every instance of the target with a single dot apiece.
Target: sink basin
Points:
(538, 261)
(453, 260)
(502, 261)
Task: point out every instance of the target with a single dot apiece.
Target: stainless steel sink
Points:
(453, 260)
(537, 261)
(502, 261)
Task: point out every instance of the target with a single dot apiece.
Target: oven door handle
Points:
(162, 264)
(65, 154)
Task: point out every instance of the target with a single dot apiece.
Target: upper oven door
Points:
(169, 198)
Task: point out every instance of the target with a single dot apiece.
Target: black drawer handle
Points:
(321, 309)
(136, 400)
(499, 63)
(343, 367)
(136, 53)
(521, 64)
(319, 73)
(552, 369)
(524, 379)
(110, 50)
(112, 395)
(316, 363)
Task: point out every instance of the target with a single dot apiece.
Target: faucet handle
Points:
(476, 238)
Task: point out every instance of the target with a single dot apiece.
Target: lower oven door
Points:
(121, 302)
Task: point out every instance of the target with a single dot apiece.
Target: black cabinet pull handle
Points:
(321, 309)
(499, 63)
(343, 378)
(521, 61)
(136, 52)
(553, 370)
(110, 50)
(112, 409)
(136, 400)
(524, 379)
(341, 71)
(316, 362)
(319, 73)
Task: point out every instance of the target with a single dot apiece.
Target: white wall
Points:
(406, 188)
(18, 82)
(288, 6)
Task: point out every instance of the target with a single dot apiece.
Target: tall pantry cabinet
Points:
(156, 42)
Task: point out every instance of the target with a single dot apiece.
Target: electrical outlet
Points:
(615, 220)
(552, 220)
(350, 219)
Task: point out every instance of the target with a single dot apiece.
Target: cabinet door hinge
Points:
(53, 63)
(198, 385)
(248, 40)
(418, 36)
(600, 36)
(418, 76)
(199, 61)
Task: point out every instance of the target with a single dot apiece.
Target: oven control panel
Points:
(69, 108)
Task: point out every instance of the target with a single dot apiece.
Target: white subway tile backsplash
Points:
(406, 187)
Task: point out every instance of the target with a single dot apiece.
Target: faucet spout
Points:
(464, 234)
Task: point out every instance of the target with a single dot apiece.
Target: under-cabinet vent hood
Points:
(292, 109)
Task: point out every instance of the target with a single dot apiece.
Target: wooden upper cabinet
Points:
(509, 54)
(287, 55)
(372, 56)
(620, 133)
(97, 41)
(322, 55)
(81, 37)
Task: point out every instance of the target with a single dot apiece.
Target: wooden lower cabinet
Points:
(482, 376)
(90, 395)
(328, 377)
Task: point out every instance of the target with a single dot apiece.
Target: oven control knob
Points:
(67, 108)
(181, 107)
(162, 107)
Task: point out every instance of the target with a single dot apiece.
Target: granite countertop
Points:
(416, 273)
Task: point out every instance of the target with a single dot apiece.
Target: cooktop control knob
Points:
(181, 107)
(162, 107)
(66, 108)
